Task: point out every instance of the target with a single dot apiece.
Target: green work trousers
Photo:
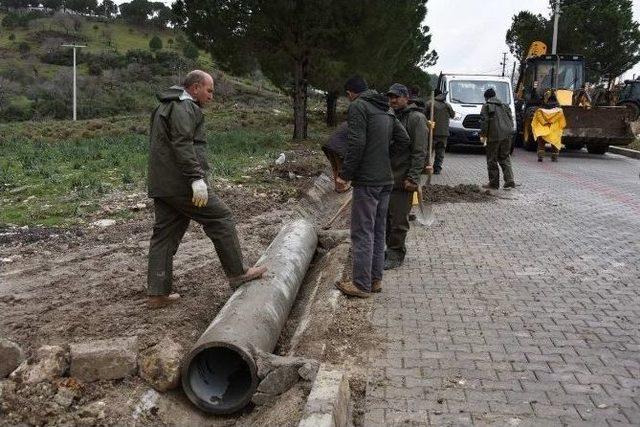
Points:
(172, 217)
(498, 153)
(439, 147)
(398, 224)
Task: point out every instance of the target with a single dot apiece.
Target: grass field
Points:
(56, 173)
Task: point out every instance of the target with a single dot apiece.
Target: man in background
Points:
(442, 112)
(496, 134)
(406, 165)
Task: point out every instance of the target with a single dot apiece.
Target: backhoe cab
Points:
(541, 75)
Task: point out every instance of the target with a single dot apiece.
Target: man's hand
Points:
(409, 185)
(431, 124)
(427, 170)
(341, 185)
(200, 195)
(483, 140)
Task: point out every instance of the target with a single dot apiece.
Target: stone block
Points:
(11, 356)
(160, 365)
(105, 359)
(328, 402)
(49, 363)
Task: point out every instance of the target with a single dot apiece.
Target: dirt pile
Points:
(461, 193)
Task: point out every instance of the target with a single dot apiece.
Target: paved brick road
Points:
(522, 311)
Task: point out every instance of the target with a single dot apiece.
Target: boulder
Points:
(104, 359)
(50, 362)
(11, 356)
(160, 365)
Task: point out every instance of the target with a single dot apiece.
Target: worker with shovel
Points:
(443, 111)
(178, 186)
(407, 166)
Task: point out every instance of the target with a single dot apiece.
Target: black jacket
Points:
(373, 130)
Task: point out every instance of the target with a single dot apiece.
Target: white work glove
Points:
(483, 139)
(200, 195)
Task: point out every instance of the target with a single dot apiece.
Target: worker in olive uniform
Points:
(496, 134)
(178, 186)
(374, 133)
(406, 166)
(442, 112)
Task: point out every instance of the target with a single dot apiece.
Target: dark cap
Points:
(397, 89)
(356, 84)
(489, 93)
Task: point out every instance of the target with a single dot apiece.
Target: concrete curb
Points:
(328, 402)
(627, 152)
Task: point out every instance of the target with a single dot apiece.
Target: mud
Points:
(461, 193)
(62, 286)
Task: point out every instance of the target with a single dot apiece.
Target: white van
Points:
(465, 93)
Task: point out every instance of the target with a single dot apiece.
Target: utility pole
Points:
(74, 46)
(504, 62)
(556, 17)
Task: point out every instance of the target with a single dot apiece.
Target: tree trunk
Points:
(300, 100)
(332, 101)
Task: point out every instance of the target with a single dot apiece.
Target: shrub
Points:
(95, 69)
(24, 48)
(191, 51)
(155, 43)
(18, 108)
(139, 56)
(12, 37)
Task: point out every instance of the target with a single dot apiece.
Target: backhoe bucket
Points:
(597, 126)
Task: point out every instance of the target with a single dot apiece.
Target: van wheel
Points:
(597, 149)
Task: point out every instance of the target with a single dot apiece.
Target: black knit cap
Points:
(489, 93)
(356, 84)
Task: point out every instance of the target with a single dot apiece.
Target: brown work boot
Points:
(508, 185)
(349, 288)
(490, 186)
(159, 301)
(376, 286)
(250, 274)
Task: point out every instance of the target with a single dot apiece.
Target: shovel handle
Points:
(339, 212)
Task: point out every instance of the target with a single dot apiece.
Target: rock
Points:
(65, 396)
(279, 380)
(329, 239)
(50, 362)
(278, 374)
(105, 359)
(11, 356)
(261, 399)
(94, 410)
(103, 223)
(160, 365)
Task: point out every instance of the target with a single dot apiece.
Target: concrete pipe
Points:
(219, 374)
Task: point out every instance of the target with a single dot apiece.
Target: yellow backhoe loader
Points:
(596, 127)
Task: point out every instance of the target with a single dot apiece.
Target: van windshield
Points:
(472, 91)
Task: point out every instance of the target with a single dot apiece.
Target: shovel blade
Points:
(424, 213)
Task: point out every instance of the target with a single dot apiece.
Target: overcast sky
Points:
(469, 34)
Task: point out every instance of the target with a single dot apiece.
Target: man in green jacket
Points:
(177, 183)
(373, 134)
(496, 134)
(406, 166)
(442, 112)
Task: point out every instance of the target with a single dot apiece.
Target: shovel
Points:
(424, 214)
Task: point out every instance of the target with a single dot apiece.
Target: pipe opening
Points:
(220, 379)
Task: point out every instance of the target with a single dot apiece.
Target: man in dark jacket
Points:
(442, 112)
(496, 134)
(177, 184)
(373, 132)
(406, 166)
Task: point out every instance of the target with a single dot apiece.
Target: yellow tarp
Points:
(548, 125)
